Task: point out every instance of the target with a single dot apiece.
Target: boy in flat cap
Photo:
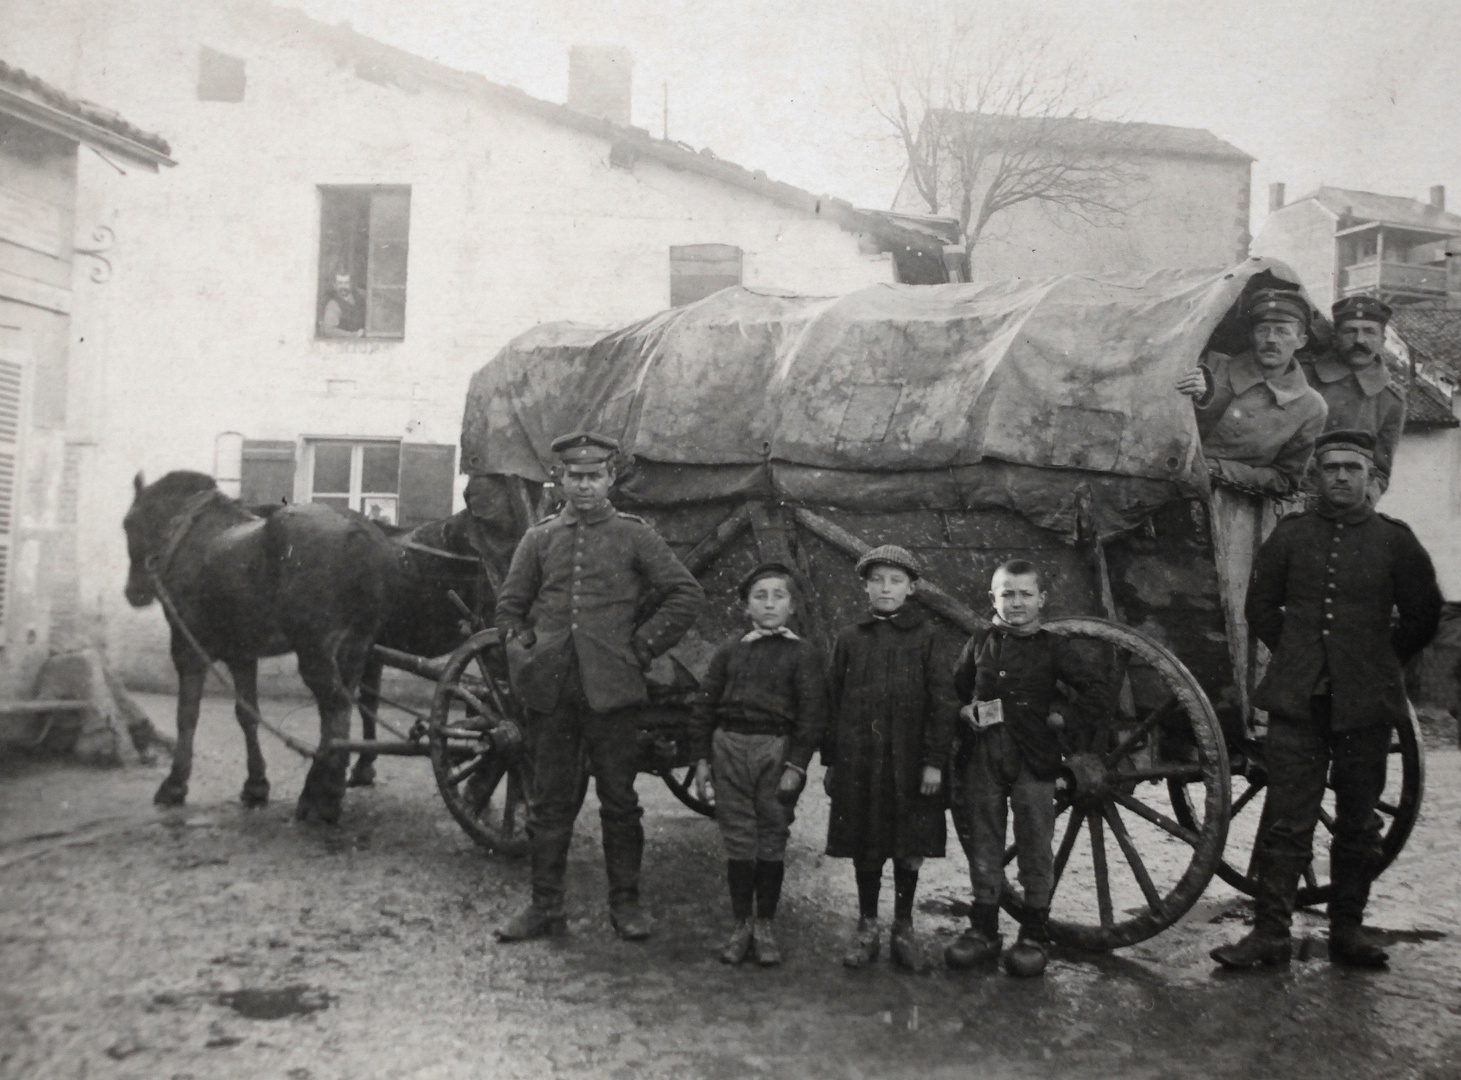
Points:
(567, 610)
(1344, 597)
(1356, 385)
(1256, 414)
(765, 700)
(887, 746)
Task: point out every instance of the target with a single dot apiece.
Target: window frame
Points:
(324, 274)
(355, 496)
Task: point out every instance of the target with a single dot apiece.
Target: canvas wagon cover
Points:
(1024, 394)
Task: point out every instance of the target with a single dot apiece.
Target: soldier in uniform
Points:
(1355, 384)
(567, 611)
(1324, 586)
(1257, 416)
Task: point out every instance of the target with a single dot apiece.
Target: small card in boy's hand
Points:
(983, 715)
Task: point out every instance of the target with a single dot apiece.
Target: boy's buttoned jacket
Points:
(578, 581)
(1324, 589)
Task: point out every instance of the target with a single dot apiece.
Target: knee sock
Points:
(905, 884)
(768, 887)
(741, 875)
(869, 882)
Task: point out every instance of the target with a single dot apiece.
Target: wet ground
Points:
(216, 943)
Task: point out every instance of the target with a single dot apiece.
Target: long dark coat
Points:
(892, 712)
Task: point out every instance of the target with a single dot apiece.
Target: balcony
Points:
(1394, 278)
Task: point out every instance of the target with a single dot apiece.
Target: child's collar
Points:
(905, 618)
(1028, 630)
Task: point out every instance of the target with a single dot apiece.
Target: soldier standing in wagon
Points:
(567, 612)
(887, 746)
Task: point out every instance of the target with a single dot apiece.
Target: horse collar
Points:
(182, 524)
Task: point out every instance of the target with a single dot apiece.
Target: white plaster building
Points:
(470, 210)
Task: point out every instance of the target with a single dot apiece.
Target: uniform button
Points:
(575, 627)
(1329, 616)
(1331, 585)
(1326, 633)
(1001, 674)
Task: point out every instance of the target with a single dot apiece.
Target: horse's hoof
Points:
(171, 793)
(361, 776)
(324, 813)
(255, 793)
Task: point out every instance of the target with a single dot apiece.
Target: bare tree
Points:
(991, 114)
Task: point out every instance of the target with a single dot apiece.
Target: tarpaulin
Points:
(916, 395)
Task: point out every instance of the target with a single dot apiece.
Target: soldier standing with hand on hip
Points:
(567, 612)
(1324, 587)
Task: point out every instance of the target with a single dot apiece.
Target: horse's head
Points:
(148, 522)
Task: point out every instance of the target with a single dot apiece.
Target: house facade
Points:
(297, 309)
(1184, 198)
(50, 272)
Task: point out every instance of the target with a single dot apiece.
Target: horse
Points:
(302, 579)
(466, 554)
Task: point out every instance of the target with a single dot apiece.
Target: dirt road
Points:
(216, 943)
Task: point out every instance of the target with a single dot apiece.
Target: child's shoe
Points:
(981, 943)
(768, 953)
(865, 948)
(903, 945)
(738, 945)
(1028, 955)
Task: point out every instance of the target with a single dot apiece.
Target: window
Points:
(698, 270)
(220, 76)
(364, 233)
(398, 483)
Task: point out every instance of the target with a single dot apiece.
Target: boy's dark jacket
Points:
(773, 686)
(887, 686)
(1022, 673)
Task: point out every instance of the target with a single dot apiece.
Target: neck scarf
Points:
(1028, 630)
(760, 632)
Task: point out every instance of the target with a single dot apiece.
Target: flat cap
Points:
(584, 448)
(1361, 307)
(889, 555)
(1277, 303)
(765, 570)
(1356, 439)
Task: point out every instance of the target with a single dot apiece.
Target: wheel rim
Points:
(681, 782)
(1399, 808)
(1125, 867)
(481, 769)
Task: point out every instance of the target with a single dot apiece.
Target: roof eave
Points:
(70, 126)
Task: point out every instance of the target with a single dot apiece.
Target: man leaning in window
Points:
(344, 315)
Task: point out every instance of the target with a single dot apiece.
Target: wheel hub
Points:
(1087, 777)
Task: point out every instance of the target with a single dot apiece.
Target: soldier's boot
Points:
(981, 943)
(1254, 949)
(623, 851)
(866, 945)
(533, 922)
(1349, 942)
(548, 846)
(1276, 887)
(1031, 950)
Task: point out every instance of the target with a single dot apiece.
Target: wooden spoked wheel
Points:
(482, 768)
(1399, 808)
(681, 782)
(1125, 867)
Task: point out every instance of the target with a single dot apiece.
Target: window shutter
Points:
(267, 475)
(10, 388)
(385, 273)
(427, 472)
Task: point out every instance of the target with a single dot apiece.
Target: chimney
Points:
(1438, 196)
(599, 81)
(1275, 197)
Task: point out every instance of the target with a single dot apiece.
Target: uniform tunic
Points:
(1366, 399)
(578, 581)
(1258, 429)
(893, 712)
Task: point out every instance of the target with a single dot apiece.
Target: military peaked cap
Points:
(585, 448)
(765, 570)
(1277, 303)
(889, 555)
(1361, 307)
(1361, 442)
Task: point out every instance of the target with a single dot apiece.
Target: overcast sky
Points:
(1354, 93)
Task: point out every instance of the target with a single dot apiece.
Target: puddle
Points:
(261, 1004)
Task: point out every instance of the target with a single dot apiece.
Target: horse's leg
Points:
(324, 787)
(363, 775)
(174, 790)
(246, 708)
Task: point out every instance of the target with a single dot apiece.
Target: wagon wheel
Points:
(1160, 728)
(1399, 807)
(681, 782)
(477, 753)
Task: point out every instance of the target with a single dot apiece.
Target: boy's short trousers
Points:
(753, 821)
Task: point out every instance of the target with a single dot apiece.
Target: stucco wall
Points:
(207, 324)
(1302, 235)
(1185, 212)
(1426, 494)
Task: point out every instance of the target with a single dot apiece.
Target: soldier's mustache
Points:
(1359, 348)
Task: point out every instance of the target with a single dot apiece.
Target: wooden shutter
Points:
(385, 272)
(697, 270)
(267, 475)
(427, 472)
(11, 375)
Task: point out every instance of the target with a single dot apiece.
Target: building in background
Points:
(1186, 203)
(55, 266)
(353, 231)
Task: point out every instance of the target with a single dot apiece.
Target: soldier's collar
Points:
(1354, 515)
(1287, 386)
(1372, 377)
(572, 516)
